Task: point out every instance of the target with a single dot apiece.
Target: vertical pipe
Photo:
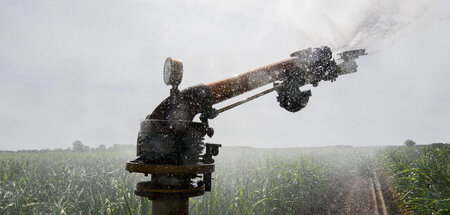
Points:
(207, 179)
(170, 206)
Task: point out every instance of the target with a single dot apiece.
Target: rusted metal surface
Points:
(153, 191)
(184, 104)
(170, 151)
(168, 169)
(172, 207)
(236, 85)
(170, 142)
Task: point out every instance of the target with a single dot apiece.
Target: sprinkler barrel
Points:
(170, 144)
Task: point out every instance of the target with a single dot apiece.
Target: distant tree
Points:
(409, 142)
(79, 147)
(438, 144)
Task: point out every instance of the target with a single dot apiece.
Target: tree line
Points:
(78, 146)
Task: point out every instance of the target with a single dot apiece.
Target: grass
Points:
(66, 183)
(290, 181)
(420, 175)
(247, 181)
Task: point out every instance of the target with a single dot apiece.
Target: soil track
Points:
(358, 193)
(368, 195)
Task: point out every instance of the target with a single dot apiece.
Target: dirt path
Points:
(368, 196)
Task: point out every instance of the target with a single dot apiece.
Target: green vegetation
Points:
(280, 181)
(420, 175)
(65, 183)
(247, 181)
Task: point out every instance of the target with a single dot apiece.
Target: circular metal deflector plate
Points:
(169, 169)
(151, 191)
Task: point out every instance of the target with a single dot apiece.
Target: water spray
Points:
(170, 145)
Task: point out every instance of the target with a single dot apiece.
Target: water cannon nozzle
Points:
(352, 54)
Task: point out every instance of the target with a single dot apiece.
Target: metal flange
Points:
(168, 169)
(152, 191)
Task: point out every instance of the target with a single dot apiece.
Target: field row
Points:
(247, 181)
(420, 175)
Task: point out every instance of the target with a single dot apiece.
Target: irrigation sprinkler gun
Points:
(170, 145)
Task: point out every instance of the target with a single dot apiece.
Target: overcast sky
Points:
(92, 70)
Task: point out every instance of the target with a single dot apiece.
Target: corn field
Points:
(246, 181)
(420, 175)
